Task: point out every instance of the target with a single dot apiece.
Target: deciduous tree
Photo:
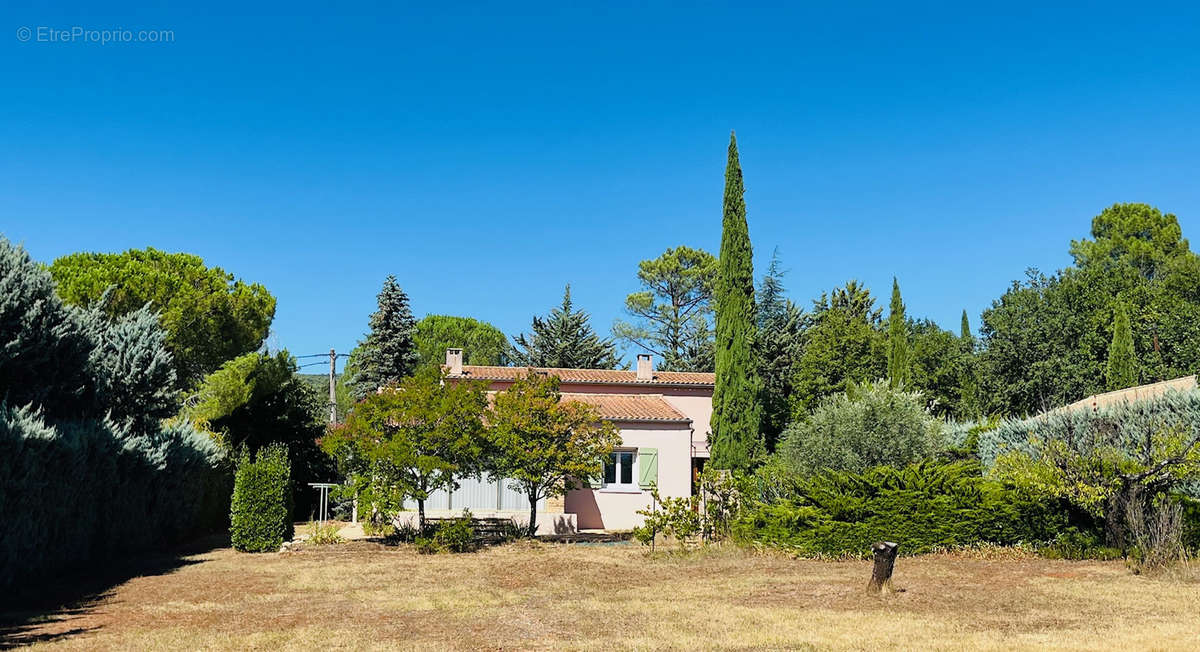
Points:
(412, 439)
(542, 443)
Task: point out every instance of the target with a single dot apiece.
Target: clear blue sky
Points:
(486, 156)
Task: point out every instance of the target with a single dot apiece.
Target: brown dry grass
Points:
(365, 596)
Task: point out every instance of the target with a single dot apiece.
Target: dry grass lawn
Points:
(362, 595)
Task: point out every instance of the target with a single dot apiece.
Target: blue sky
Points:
(489, 154)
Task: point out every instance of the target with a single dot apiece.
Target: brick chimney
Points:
(645, 367)
(454, 362)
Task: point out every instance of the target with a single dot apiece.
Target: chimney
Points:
(645, 367)
(454, 362)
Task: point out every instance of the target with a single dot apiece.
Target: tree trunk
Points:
(421, 515)
(885, 561)
(532, 513)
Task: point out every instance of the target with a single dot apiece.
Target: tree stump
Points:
(885, 561)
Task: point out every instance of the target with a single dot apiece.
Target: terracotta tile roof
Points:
(630, 407)
(593, 376)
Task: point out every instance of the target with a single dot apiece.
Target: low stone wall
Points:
(547, 523)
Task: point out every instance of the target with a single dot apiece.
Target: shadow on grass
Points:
(44, 612)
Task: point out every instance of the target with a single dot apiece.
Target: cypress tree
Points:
(897, 355)
(737, 411)
(390, 350)
(1122, 364)
(968, 401)
(564, 339)
(964, 331)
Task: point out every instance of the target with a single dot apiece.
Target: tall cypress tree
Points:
(564, 339)
(390, 351)
(737, 411)
(968, 399)
(898, 363)
(1122, 363)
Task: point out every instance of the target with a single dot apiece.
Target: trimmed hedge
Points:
(84, 491)
(89, 470)
(261, 509)
(922, 507)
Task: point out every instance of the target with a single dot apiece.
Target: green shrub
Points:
(89, 471)
(867, 426)
(261, 510)
(451, 535)
(922, 507)
(323, 534)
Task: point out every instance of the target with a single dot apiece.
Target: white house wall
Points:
(617, 509)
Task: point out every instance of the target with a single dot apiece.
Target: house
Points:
(663, 417)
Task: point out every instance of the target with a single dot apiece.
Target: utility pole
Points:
(332, 387)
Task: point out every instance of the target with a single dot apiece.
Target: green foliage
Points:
(780, 342)
(133, 369)
(44, 348)
(922, 507)
(481, 342)
(411, 440)
(868, 426)
(564, 339)
(678, 518)
(542, 443)
(898, 361)
(256, 400)
(942, 369)
(88, 470)
(209, 315)
(450, 535)
(389, 352)
(670, 312)
(324, 534)
(1102, 460)
(1046, 341)
(736, 438)
(1122, 363)
(843, 346)
(261, 509)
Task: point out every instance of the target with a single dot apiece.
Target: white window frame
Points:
(618, 487)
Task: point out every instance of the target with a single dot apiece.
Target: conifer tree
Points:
(968, 401)
(898, 361)
(737, 410)
(390, 351)
(1122, 363)
(780, 327)
(564, 339)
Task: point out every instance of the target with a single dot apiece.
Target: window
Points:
(619, 472)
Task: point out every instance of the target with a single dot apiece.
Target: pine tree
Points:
(737, 411)
(898, 361)
(390, 351)
(564, 339)
(1122, 363)
(780, 324)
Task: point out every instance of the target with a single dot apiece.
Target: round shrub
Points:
(869, 425)
(261, 511)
